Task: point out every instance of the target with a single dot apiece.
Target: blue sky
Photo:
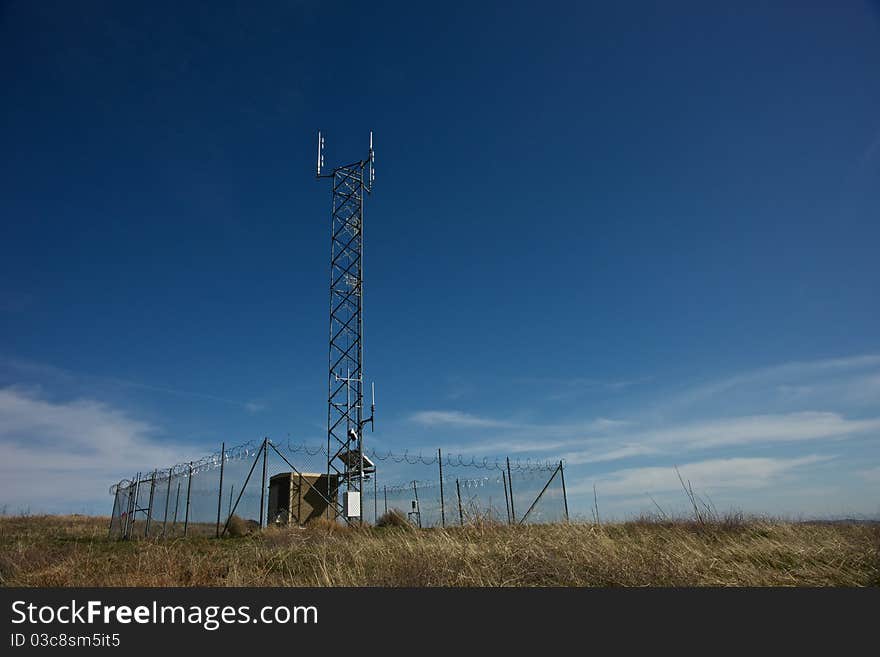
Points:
(633, 236)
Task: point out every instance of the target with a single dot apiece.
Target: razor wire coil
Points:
(248, 449)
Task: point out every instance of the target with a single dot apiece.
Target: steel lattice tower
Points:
(345, 407)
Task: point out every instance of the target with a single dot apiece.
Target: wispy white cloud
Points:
(254, 406)
(798, 373)
(47, 372)
(581, 382)
(859, 390)
(561, 388)
(458, 419)
(726, 432)
(608, 453)
(511, 437)
(510, 446)
(16, 367)
(58, 454)
(604, 440)
(709, 475)
(772, 428)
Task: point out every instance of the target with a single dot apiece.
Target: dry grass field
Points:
(76, 551)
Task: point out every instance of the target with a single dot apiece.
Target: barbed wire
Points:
(250, 448)
(449, 482)
(185, 469)
(407, 487)
(452, 461)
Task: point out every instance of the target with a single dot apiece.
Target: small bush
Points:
(238, 526)
(324, 524)
(394, 518)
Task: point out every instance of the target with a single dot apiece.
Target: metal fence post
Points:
(137, 498)
(176, 506)
(506, 500)
(189, 482)
(125, 512)
(113, 514)
(442, 501)
(299, 500)
(150, 505)
(564, 496)
(132, 505)
(263, 486)
(220, 490)
(167, 500)
(510, 486)
(460, 514)
(418, 506)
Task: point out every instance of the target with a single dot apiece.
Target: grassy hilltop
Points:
(76, 551)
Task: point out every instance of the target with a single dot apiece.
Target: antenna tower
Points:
(346, 420)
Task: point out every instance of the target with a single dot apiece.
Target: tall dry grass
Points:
(76, 551)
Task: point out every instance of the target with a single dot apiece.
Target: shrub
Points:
(324, 524)
(394, 518)
(238, 526)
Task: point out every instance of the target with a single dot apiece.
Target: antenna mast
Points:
(346, 461)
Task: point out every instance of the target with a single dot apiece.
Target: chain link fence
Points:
(264, 483)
